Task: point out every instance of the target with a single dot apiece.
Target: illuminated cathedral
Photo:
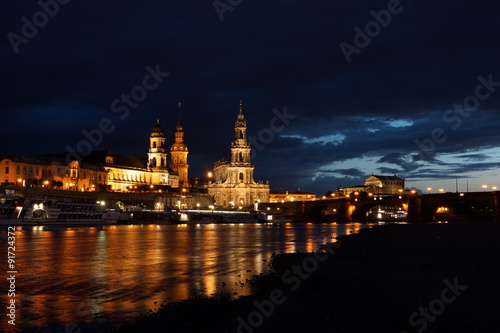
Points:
(234, 185)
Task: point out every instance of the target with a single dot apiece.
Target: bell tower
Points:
(240, 148)
(179, 154)
(157, 154)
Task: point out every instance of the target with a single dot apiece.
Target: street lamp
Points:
(484, 187)
(494, 188)
(429, 189)
(441, 190)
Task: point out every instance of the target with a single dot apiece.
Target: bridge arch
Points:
(361, 210)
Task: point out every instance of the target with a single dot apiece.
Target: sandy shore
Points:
(391, 278)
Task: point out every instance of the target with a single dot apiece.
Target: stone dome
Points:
(158, 130)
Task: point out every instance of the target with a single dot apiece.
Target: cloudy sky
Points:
(332, 90)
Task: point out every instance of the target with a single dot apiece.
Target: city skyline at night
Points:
(333, 92)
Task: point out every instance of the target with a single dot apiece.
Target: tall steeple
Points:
(240, 148)
(179, 152)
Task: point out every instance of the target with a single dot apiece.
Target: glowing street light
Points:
(429, 189)
(441, 190)
(484, 187)
(494, 188)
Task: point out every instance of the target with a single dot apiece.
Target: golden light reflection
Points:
(125, 269)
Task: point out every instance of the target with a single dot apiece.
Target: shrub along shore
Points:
(391, 278)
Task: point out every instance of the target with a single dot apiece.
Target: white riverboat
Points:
(36, 211)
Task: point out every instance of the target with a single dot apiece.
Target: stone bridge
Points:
(420, 208)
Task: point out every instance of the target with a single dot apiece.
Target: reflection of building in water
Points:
(233, 184)
(382, 185)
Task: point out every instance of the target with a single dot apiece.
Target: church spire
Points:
(179, 126)
(240, 120)
(179, 152)
(179, 114)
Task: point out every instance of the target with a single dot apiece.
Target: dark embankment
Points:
(375, 282)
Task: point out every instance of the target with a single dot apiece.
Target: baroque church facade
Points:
(127, 172)
(233, 183)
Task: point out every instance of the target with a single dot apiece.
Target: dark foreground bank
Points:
(392, 278)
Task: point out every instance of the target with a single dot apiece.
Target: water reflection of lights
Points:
(165, 255)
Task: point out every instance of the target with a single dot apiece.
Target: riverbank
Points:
(391, 278)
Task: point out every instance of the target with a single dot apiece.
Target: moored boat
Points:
(35, 211)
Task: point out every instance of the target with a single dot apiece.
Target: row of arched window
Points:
(129, 177)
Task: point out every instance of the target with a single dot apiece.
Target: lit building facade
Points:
(382, 185)
(388, 184)
(52, 173)
(179, 156)
(98, 170)
(233, 183)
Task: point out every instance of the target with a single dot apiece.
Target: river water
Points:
(84, 278)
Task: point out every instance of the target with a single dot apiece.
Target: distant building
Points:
(291, 196)
(382, 185)
(233, 183)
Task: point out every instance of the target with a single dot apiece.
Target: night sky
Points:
(330, 94)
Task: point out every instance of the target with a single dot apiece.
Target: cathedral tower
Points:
(179, 153)
(157, 154)
(234, 185)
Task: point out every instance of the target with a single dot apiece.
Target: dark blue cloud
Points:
(269, 54)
